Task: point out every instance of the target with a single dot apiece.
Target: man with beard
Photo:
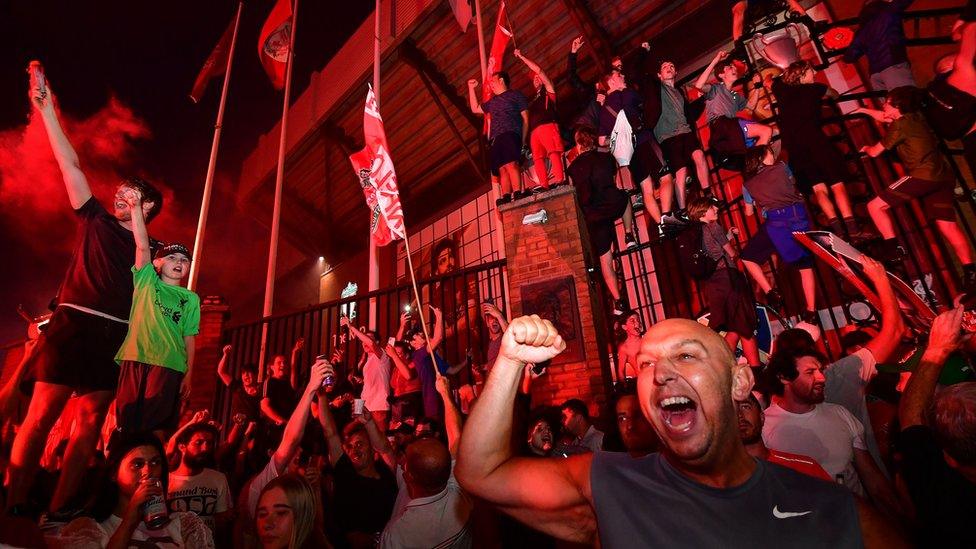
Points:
(635, 431)
(75, 355)
(701, 490)
(194, 485)
(751, 419)
(799, 421)
(365, 488)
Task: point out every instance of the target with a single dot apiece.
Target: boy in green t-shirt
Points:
(157, 356)
(918, 148)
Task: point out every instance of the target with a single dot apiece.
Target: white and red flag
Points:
(498, 45)
(462, 12)
(275, 41)
(374, 169)
(216, 64)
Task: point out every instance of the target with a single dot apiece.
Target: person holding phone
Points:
(376, 374)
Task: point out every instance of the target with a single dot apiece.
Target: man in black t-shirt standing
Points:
(76, 353)
(246, 392)
(365, 487)
(701, 490)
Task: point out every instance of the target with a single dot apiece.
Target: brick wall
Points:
(553, 250)
(209, 343)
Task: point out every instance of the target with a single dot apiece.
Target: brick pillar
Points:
(208, 348)
(552, 251)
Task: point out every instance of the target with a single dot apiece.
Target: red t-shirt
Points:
(401, 385)
(801, 464)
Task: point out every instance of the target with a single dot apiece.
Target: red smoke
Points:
(35, 216)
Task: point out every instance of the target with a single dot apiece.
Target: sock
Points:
(836, 226)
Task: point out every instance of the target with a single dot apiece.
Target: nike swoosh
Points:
(787, 514)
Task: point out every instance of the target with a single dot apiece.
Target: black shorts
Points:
(646, 162)
(504, 149)
(148, 398)
(938, 205)
(677, 151)
(77, 350)
(730, 303)
(819, 162)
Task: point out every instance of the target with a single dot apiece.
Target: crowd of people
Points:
(417, 447)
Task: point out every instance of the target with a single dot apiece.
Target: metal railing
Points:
(459, 295)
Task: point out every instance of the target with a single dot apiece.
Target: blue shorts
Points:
(780, 225)
(744, 124)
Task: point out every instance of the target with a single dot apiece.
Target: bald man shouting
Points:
(701, 490)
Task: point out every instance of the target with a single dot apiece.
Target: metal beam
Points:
(600, 43)
(417, 59)
(450, 123)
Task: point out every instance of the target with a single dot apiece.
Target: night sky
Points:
(145, 55)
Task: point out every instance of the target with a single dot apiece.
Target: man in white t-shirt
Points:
(376, 375)
(193, 486)
(800, 422)
(847, 379)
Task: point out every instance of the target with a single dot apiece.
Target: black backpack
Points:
(691, 250)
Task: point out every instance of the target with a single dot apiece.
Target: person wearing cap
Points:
(156, 358)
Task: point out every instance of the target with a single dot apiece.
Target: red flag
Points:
(215, 65)
(462, 12)
(374, 168)
(275, 41)
(498, 45)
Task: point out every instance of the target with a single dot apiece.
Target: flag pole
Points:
(481, 41)
(212, 167)
(374, 267)
(269, 282)
(420, 305)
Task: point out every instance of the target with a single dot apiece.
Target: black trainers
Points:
(619, 308)
(503, 199)
(775, 300)
(810, 317)
(629, 240)
(639, 202)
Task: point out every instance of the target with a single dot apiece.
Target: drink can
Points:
(154, 510)
(357, 406)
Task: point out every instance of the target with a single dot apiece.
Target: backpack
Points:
(691, 250)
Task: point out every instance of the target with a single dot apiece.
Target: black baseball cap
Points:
(172, 248)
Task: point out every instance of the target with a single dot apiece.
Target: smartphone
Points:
(406, 308)
(391, 341)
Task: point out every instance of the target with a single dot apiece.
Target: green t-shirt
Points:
(161, 315)
(918, 148)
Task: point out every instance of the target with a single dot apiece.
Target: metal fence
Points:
(459, 295)
(658, 287)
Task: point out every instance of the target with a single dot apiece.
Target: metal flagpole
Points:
(374, 267)
(211, 168)
(481, 41)
(279, 184)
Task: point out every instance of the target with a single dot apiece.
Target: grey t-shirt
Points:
(722, 102)
(645, 502)
(773, 187)
(714, 239)
(672, 121)
(847, 381)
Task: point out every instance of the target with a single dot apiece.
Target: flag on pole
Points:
(462, 12)
(275, 41)
(216, 64)
(374, 168)
(498, 45)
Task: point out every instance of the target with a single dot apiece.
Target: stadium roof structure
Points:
(435, 141)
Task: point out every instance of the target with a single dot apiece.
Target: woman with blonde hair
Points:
(289, 515)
